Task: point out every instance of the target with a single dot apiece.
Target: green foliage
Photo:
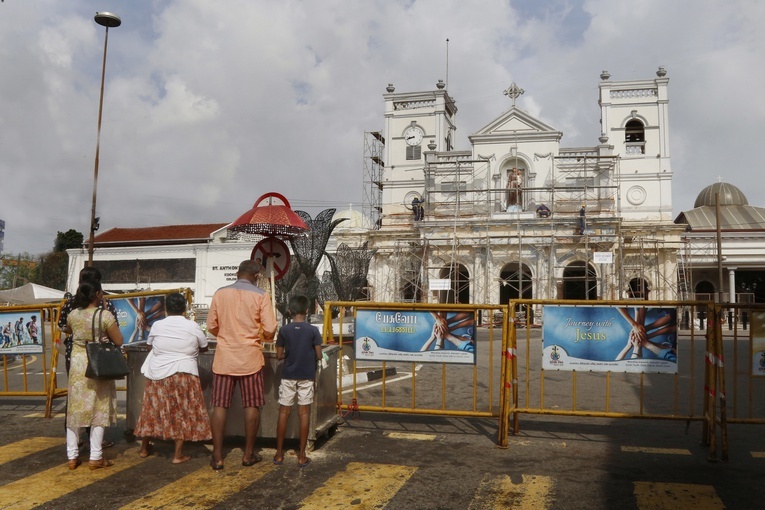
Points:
(67, 240)
(16, 270)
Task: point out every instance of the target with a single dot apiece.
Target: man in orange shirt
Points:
(241, 317)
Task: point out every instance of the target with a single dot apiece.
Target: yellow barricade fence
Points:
(396, 359)
(27, 335)
(148, 305)
(613, 359)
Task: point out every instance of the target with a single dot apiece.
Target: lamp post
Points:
(106, 20)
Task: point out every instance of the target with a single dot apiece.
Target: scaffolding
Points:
(490, 250)
(374, 144)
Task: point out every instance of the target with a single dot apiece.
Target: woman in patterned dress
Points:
(92, 403)
(173, 405)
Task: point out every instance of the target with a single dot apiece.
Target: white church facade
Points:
(504, 219)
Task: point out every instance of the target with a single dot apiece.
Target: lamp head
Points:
(107, 19)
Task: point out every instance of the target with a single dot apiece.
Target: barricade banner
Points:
(21, 332)
(417, 336)
(610, 339)
(758, 344)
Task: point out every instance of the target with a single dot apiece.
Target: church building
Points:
(520, 215)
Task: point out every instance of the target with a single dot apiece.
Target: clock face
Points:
(413, 135)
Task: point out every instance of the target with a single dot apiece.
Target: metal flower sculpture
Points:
(350, 267)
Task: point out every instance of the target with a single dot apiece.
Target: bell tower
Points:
(415, 123)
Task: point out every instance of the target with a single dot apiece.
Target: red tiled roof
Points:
(168, 234)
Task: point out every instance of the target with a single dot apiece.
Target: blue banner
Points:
(610, 339)
(136, 315)
(416, 336)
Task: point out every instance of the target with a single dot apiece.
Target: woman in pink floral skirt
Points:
(173, 405)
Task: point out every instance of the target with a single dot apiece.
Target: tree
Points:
(16, 270)
(67, 240)
(53, 269)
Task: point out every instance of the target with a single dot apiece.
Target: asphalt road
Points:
(398, 461)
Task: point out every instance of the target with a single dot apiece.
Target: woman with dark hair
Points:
(173, 405)
(91, 403)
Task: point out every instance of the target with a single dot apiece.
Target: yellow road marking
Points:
(533, 493)
(657, 496)
(359, 486)
(216, 485)
(120, 416)
(412, 435)
(25, 447)
(660, 451)
(758, 455)
(53, 483)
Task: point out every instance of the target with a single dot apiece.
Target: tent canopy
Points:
(30, 294)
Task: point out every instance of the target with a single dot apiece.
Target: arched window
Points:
(634, 137)
(634, 131)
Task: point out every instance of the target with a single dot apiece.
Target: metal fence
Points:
(418, 387)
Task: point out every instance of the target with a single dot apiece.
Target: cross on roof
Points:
(513, 92)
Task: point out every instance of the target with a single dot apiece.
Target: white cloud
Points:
(208, 105)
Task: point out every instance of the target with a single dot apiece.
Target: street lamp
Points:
(106, 20)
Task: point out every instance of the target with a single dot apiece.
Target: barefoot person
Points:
(299, 345)
(241, 318)
(173, 405)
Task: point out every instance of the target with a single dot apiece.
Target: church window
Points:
(634, 136)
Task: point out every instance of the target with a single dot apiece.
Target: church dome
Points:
(729, 195)
(354, 220)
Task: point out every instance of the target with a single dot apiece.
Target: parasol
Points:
(270, 218)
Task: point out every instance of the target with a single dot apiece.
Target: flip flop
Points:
(217, 466)
(149, 451)
(308, 461)
(254, 460)
(277, 462)
(183, 459)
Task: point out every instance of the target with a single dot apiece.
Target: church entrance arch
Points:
(705, 291)
(580, 281)
(638, 289)
(460, 287)
(515, 282)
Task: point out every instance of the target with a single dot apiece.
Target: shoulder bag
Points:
(105, 360)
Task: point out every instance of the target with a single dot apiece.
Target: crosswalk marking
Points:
(359, 486)
(26, 447)
(534, 492)
(412, 435)
(656, 451)
(658, 496)
(120, 416)
(218, 485)
(55, 482)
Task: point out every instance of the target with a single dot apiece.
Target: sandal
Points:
(254, 460)
(98, 464)
(73, 464)
(217, 466)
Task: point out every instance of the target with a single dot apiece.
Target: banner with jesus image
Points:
(610, 339)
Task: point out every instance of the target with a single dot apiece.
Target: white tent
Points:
(29, 294)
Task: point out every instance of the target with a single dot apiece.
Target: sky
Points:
(209, 105)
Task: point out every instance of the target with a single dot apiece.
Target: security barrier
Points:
(742, 355)
(26, 336)
(136, 312)
(604, 379)
(446, 373)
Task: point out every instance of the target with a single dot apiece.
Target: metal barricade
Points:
(419, 384)
(667, 384)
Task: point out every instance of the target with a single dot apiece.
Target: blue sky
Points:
(208, 105)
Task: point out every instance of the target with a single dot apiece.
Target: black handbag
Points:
(105, 360)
